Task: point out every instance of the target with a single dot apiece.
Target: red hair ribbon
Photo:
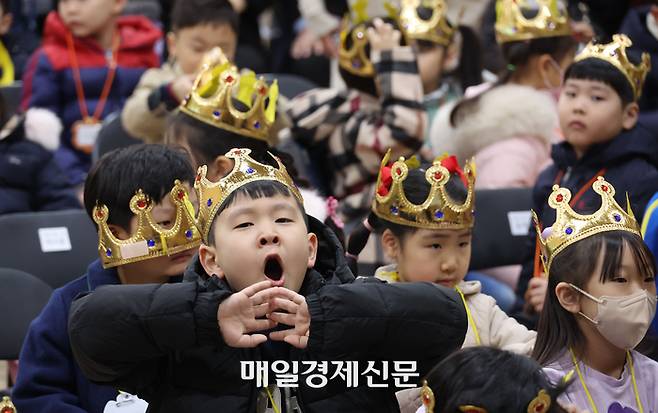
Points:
(451, 164)
(386, 180)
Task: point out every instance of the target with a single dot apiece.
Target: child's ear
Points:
(312, 249)
(207, 257)
(391, 244)
(219, 168)
(568, 297)
(630, 116)
(171, 44)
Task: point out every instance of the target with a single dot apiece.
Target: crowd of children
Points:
(253, 286)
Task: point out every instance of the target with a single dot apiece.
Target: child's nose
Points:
(267, 239)
(448, 265)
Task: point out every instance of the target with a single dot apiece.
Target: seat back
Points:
(23, 297)
(55, 246)
(111, 136)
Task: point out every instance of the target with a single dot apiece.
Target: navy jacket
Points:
(30, 179)
(635, 26)
(49, 379)
(163, 343)
(48, 81)
(631, 165)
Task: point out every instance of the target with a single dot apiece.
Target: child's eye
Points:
(464, 244)
(570, 94)
(597, 98)
(243, 225)
(435, 246)
(650, 279)
(619, 280)
(283, 220)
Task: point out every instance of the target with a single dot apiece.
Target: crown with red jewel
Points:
(570, 226)
(149, 239)
(245, 170)
(6, 406)
(439, 210)
(219, 86)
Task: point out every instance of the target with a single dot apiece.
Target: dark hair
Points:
(416, 189)
(557, 327)
(602, 71)
(6, 6)
(256, 190)
(190, 13)
(120, 173)
(365, 84)
(495, 380)
(516, 55)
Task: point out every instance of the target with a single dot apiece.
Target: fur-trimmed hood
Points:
(504, 112)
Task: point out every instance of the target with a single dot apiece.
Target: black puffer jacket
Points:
(162, 342)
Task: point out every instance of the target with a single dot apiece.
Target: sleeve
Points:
(641, 191)
(121, 334)
(507, 334)
(52, 191)
(41, 86)
(315, 114)
(144, 114)
(650, 225)
(401, 321)
(511, 163)
(46, 379)
(400, 125)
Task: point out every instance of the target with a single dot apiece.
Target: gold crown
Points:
(570, 226)
(149, 240)
(219, 83)
(245, 170)
(6, 406)
(551, 20)
(438, 211)
(615, 54)
(435, 29)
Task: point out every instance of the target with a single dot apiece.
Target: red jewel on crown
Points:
(438, 176)
(559, 198)
(262, 90)
(180, 194)
(604, 188)
(141, 204)
(99, 213)
(398, 171)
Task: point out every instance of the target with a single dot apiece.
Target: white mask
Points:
(623, 321)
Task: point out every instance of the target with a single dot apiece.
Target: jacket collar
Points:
(97, 275)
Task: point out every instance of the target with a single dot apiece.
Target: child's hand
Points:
(297, 316)
(237, 315)
(536, 293)
(182, 86)
(383, 36)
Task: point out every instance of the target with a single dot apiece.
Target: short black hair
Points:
(602, 71)
(207, 141)
(120, 173)
(6, 6)
(190, 13)
(256, 190)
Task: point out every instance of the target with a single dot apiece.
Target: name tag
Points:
(126, 403)
(84, 135)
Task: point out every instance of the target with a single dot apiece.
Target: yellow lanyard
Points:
(471, 322)
(589, 396)
(7, 67)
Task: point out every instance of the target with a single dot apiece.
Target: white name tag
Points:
(519, 222)
(134, 250)
(54, 239)
(126, 403)
(87, 133)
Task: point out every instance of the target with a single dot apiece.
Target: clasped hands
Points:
(260, 307)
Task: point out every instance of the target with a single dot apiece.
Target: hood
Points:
(330, 262)
(501, 113)
(638, 142)
(137, 32)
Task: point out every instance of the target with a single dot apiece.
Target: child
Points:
(600, 302)
(598, 115)
(484, 379)
(444, 70)
(89, 63)
(49, 379)
(263, 263)
(508, 127)
(197, 27)
(346, 132)
(425, 218)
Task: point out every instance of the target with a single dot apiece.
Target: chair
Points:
(70, 234)
(23, 297)
(11, 97)
(502, 221)
(290, 85)
(111, 136)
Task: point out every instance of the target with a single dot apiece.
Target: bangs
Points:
(614, 244)
(604, 72)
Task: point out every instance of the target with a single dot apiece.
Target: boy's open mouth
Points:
(273, 268)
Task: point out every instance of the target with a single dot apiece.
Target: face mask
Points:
(623, 321)
(554, 90)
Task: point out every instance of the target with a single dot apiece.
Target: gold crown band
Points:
(550, 20)
(436, 29)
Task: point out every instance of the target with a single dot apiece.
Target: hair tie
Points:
(332, 209)
(511, 67)
(366, 224)
(352, 256)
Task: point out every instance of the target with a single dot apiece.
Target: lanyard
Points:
(589, 396)
(469, 316)
(537, 267)
(112, 68)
